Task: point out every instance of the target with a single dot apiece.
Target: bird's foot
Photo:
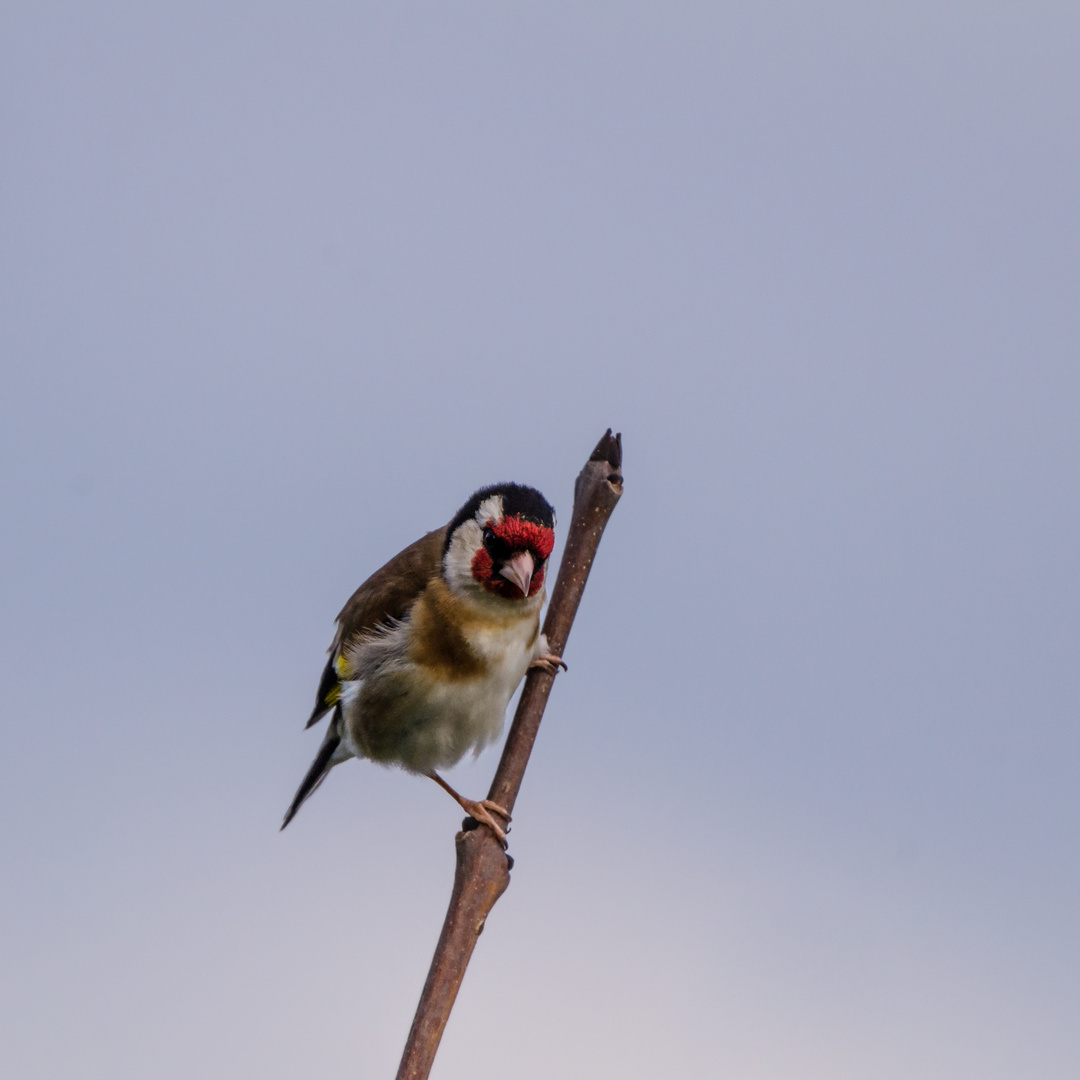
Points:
(482, 812)
(549, 662)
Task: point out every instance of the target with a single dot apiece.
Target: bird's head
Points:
(499, 542)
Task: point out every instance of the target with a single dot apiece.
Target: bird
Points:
(430, 649)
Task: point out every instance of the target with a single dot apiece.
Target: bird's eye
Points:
(489, 535)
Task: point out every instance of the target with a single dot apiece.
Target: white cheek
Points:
(457, 563)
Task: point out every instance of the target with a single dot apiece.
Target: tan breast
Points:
(437, 640)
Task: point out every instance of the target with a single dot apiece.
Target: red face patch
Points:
(482, 566)
(537, 582)
(525, 536)
(516, 535)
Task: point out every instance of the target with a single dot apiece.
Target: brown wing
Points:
(387, 595)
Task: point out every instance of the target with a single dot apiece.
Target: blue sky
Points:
(282, 284)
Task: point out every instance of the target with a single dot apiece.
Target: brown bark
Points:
(483, 868)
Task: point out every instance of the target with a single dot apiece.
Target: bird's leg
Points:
(549, 662)
(479, 810)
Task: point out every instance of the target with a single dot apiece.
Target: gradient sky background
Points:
(283, 283)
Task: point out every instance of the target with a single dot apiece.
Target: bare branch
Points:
(483, 868)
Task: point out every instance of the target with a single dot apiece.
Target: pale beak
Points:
(519, 570)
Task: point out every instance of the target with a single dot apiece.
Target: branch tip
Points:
(609, 449)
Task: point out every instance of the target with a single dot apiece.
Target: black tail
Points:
(320, 767)
(328, 693)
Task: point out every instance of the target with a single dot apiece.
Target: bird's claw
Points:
(550, 663)
(482, 812)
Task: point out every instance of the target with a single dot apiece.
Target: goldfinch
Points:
(430, 649)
